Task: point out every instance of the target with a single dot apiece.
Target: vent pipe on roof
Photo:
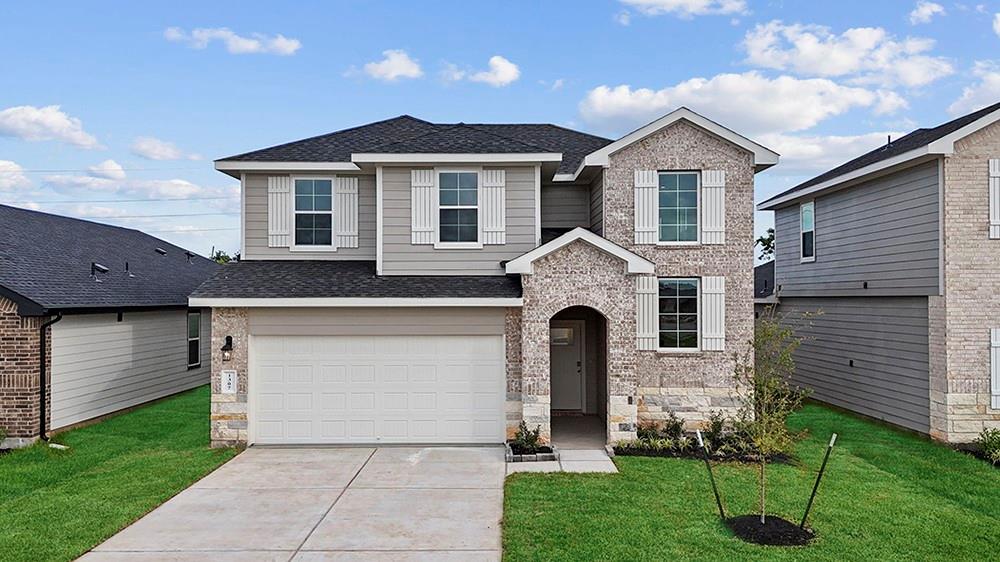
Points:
(128, 272)
(161, 251)
(190, 257)
(96, 268)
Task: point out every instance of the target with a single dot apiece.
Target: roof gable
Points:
(634, 263)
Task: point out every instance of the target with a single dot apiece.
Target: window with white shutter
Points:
(713, 313)
(995, 198)
(423, 206)
(713, 207)
(646, 292)
(995, 368)
(646, 207)
(494, 207)
(279, 211)
(346, 211)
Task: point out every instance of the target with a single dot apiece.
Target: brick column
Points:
(19, 353)
(229, 411)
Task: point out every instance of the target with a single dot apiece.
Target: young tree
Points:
(766, 243)
(766, 397)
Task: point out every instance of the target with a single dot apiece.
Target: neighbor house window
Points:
(194, 339)
(678, 313)
(313, 212)
(678, 206)
(458, 207)
(807, 226)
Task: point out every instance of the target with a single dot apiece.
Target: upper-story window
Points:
(458, 207)
(678, 195)
(314, 212)
(807, 229)
(678, 314)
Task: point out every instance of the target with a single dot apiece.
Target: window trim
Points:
(187, 331)
(697, 240)
(332, 247)
(438, 244)
(812, 258)
(679, 350)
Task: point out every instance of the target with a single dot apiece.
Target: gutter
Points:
(42, 374)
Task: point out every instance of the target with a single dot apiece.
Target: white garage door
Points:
(385, 389)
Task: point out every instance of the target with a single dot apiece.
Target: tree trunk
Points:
(763, 484)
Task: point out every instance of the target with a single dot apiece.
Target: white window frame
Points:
(697, 210)
(679, 350)
(332, 247)
(803, 259)
(187, 332)
(478, 244)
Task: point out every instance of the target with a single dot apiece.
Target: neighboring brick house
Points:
(412, 282)
(105, 307)
(900, 250)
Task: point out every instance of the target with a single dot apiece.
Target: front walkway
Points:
(580, 441)
(311, 504)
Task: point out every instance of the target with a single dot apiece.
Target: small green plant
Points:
(526, 441)
(989, 444)
(673, 427)
(715, 428)
(647, 432)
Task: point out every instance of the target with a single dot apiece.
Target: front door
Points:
(566, 364)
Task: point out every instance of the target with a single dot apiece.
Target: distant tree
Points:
(766, 243)
(220, 256)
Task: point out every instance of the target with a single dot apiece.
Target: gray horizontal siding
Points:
(885, 232)
(376, 321)
(255, 223)
(597, 205)
(400, 257)
(100, 365)
(887, 337)
(565, 206)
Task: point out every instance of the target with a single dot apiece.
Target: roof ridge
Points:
(451, 127)
(553, 125)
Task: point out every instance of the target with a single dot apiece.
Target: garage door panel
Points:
(391, 389)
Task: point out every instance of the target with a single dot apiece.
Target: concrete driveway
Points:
(314, 504)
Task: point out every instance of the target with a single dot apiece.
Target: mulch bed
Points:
(973, 450)
(774, 532)
(536, 451)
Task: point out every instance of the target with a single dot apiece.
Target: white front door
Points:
(377, 389)
(566, 364)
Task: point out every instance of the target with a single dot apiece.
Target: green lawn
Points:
(887, 495)
(56, 505)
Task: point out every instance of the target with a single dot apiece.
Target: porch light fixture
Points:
(227, 349)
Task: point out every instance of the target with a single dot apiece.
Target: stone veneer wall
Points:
(691, 385)
(512, 341)
(19, 349)
(229, 411)
(960, 393)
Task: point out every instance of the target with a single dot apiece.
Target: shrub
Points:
(715, 429)
(673, 427)
(989, 444)
(526, 440)
(647, 432)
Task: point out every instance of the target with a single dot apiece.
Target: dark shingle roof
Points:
(911, 141)
(345, 279)
(46, 259)
(406, 134)
(763, 280)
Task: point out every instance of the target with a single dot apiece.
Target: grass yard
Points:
(887, 495)
(56, 505)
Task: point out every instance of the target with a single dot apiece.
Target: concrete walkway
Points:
(329, 504)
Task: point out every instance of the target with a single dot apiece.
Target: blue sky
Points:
(114, 111)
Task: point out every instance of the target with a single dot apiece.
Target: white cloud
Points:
(925, 11)
(867, 55)
(688, 8)
(396, 64)
(996, 24)
(750, 103)
(153, 148)
(452, 73)
(812, 154)
(12, 176)
(256, 43)
(557, 84)
(502, 72)
(31, 123)
(109, 169)
(623, 17)
(981, 94)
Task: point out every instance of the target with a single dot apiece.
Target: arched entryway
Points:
(578, 370)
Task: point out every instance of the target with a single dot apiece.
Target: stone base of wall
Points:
(692, 405)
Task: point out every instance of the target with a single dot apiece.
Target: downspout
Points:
(41, 375)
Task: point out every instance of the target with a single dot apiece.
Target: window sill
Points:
(193, 367)
(458, 246)
(310, 249)
(807, 260)
(671, 351)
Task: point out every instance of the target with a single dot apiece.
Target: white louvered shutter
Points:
(713, 207)
(423, 206)
(345, 210)
(995, 198)
(995, 368)
(494, 206)
(279, 211)
(713, 313)
(646, 206)
(647, 291)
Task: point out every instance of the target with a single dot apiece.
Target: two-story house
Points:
(414, 282)
(899, 249)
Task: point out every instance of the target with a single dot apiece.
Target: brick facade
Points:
(229, 411)
(960, 379)
(19, 376)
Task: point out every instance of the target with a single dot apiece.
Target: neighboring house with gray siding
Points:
(889, 267)
(414, 282)
(97, 316)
